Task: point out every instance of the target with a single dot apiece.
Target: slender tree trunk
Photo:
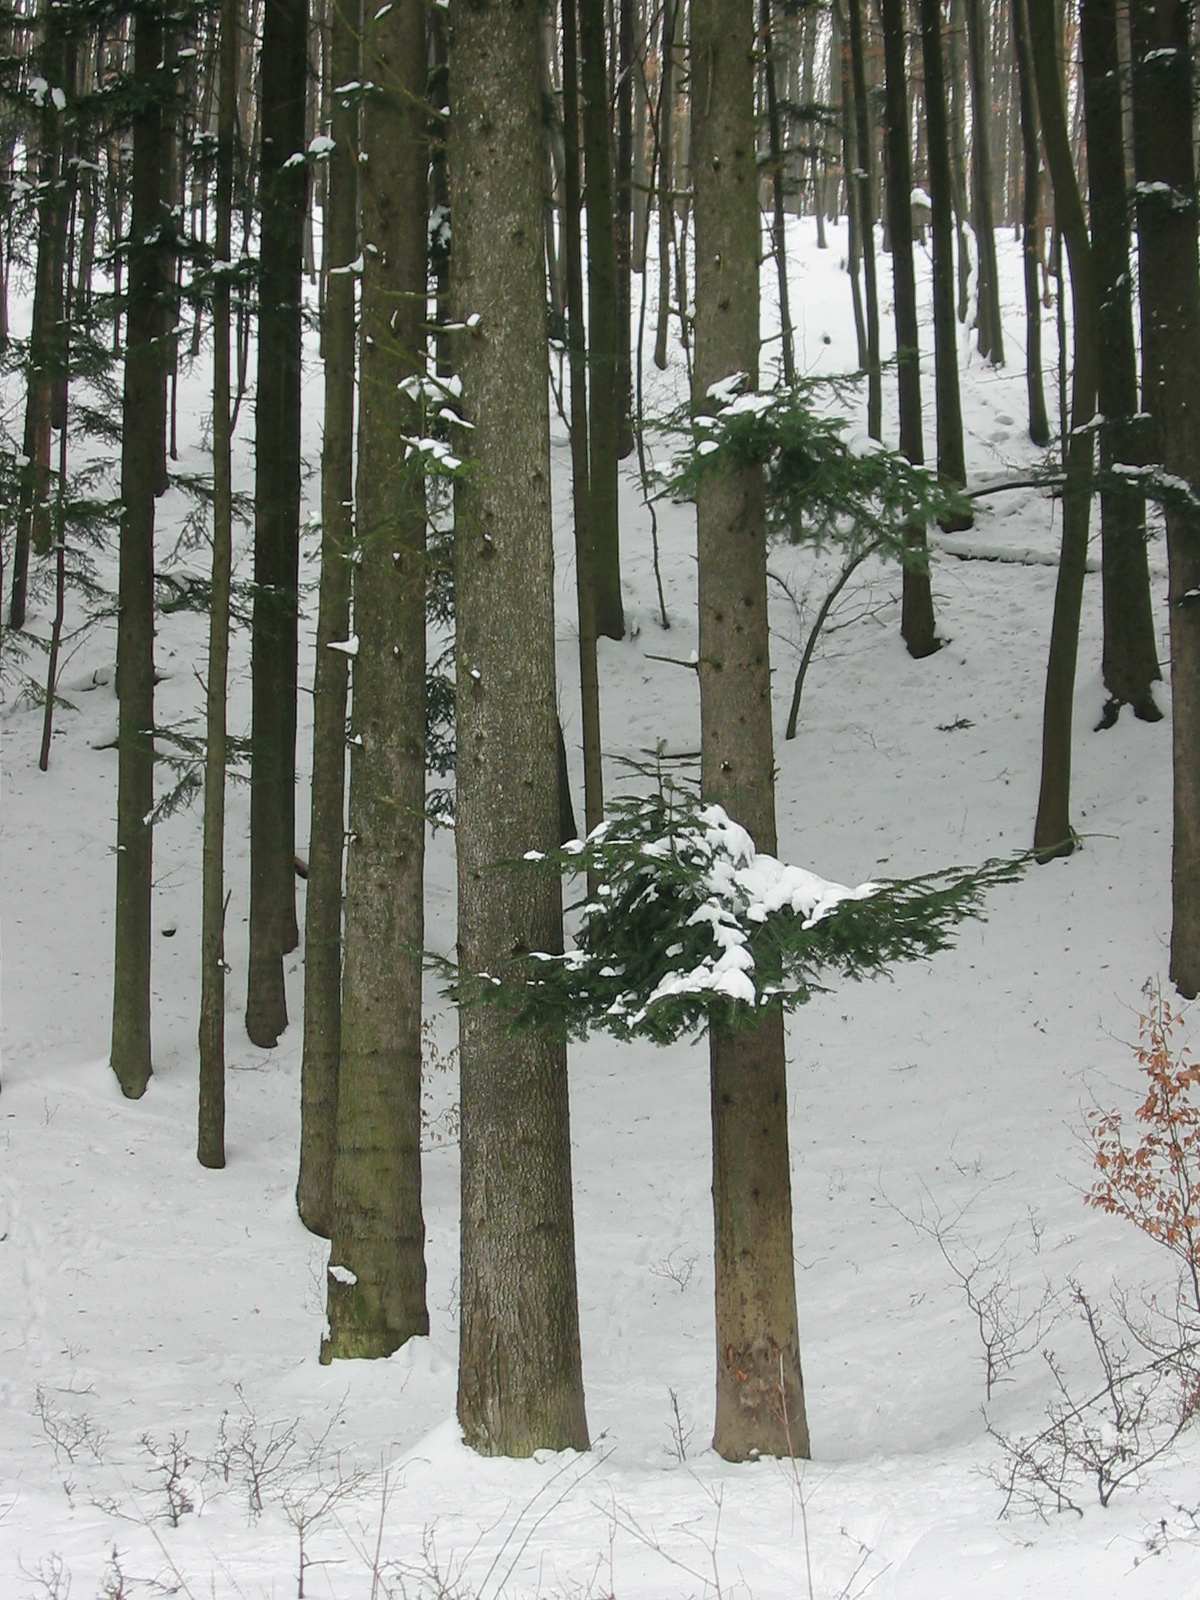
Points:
(1039, 426)
(779, 216)
(589, 677)
(950, 459)
(603, 421)
(990, 334)
(849, 167)
(135, 584)
(210, 1148)
(760, 1390)
(376, 1281)
(56, 57)
(865, 208)
(958, 150)
(282, 187)
(1164, 163)
(323, 909)
(1130, 659)
(520, 1377)
(666, 155)
(1053, 835)
(439, 183)
(917, 624)
(623, 225)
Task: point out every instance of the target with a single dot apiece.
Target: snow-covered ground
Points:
(145, 1301)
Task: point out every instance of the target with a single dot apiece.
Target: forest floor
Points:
(159, 1324)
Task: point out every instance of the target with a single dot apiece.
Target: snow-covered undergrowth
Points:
(159, 1324)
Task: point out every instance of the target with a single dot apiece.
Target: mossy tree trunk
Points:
(760, 1390)
(323, 905)
(520, 1385)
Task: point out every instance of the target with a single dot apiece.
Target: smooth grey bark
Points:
(865, 208)
(1031, 227)
(322, 1050)
(520, 1384)
(990, 340)
(375, 1294)
(759, 1388)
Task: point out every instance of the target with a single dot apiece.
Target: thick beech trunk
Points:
(323, 905)
(283, 186)
(760, 1390)
(1165, 168)
(520, 1385)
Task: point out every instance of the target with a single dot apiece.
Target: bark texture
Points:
(323, 905)
(283, 186)
(520, 1375)
(1170, 297)
(135, 583)
(376, 1280)
(1031, 226)
(1130, 661)
(865, 211)
(760, 1389)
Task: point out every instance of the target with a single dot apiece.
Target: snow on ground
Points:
(144, 1300)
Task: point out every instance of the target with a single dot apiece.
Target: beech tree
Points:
(760, 1389)
(520, 1381)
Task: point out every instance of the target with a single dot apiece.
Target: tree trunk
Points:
(376, 1280)
(623, 225)
(326, 842)
(56, 58)
(666, 155)
(760, 1390)
(866, 217)
(849, 166)
(917, 625)
(779, 216)
(1053, 835)
(520, 1376)
(603, 422)
(282, 188)
(958, 151)
(1039, 425)
(210, 1145)
(585, 590)
(1130, 659)
(1164, 164)
(950, 459)
(135, 584)
(990, 334)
